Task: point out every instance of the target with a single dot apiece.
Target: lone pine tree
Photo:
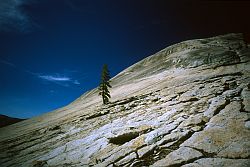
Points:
(104, 84)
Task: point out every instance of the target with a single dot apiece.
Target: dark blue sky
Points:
(52, 51)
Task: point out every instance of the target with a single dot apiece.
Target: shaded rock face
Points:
(187, 105)
(5, 120)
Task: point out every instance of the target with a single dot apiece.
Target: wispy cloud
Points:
(7, 63)
(59, 79)
(54, 78)
(64, 79)
(13, 17)
(76, 82)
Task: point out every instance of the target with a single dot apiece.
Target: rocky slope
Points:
(187, 105)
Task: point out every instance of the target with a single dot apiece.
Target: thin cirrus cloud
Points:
(59, 79)
(7, 63)
(76, 82)
(13, 17)
(53, 78)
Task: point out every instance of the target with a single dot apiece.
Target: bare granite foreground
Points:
(187, 105)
